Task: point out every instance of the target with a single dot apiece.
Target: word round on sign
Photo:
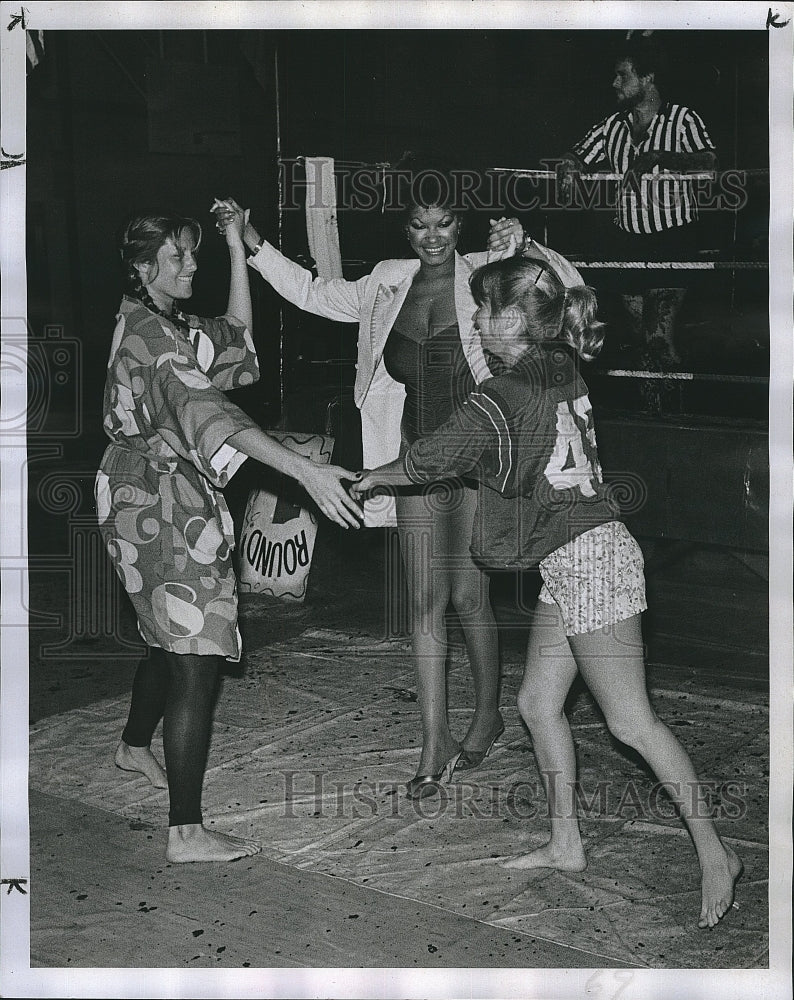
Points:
(278, 534)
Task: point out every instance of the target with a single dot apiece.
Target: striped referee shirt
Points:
(659, 202)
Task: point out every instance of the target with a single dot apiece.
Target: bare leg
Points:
(186, 732)
(471, 600)
(548, 674)
(612, 665)
(427, 575)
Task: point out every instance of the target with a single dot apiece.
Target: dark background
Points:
(123, 119)
(119, 120)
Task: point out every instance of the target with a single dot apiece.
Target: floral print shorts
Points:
(596, 580)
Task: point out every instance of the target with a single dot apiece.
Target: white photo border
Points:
(17, 978)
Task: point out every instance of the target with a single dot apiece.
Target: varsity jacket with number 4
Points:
(527, 436)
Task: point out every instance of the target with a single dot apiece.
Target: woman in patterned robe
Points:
(175, 440)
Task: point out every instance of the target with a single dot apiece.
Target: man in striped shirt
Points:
(647, 139)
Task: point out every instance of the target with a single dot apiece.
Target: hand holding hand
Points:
(365, 482)
(225, 210)
(230, 220)
(323, 483)
(506, 235)
(391, 474)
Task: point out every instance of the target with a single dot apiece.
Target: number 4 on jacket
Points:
(573, 462)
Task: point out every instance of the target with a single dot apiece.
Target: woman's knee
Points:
(534, 708)
(526, 703)
(636, 731)
(429, 592)
(427, 605)
(469, 593)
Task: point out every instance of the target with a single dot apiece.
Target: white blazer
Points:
(374, 302)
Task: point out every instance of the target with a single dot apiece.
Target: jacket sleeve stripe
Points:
(496, 417)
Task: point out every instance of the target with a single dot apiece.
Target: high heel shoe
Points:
(426, 784)
(469, 759)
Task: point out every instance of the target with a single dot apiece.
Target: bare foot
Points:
(194, 842)
(717, 886)
(143, 760)
(569, 860)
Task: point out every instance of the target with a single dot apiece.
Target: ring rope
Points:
(670, 265)
(611, 176)
(673, 265)
(686, 376)
(552, 174)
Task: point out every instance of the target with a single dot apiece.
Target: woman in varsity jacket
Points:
(527, 436)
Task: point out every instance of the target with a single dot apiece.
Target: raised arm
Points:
(335, 299)
(239, 306)
(509, 233)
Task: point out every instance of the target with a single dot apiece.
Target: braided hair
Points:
(139, 241)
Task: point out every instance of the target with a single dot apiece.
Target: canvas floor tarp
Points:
(311, 748)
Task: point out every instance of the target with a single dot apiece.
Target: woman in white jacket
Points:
(419, 356)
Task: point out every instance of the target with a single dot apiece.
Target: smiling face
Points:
(170, 275)
(433, 234)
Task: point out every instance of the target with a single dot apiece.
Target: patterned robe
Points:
(167, 528)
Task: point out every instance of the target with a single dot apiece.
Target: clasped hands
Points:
(230, 216)
(504, 233)
(391, 474)
(505, 236)
(230, 220)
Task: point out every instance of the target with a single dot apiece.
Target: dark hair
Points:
(140, 238)
(549, 310)
(646, 56)
(424, 183)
